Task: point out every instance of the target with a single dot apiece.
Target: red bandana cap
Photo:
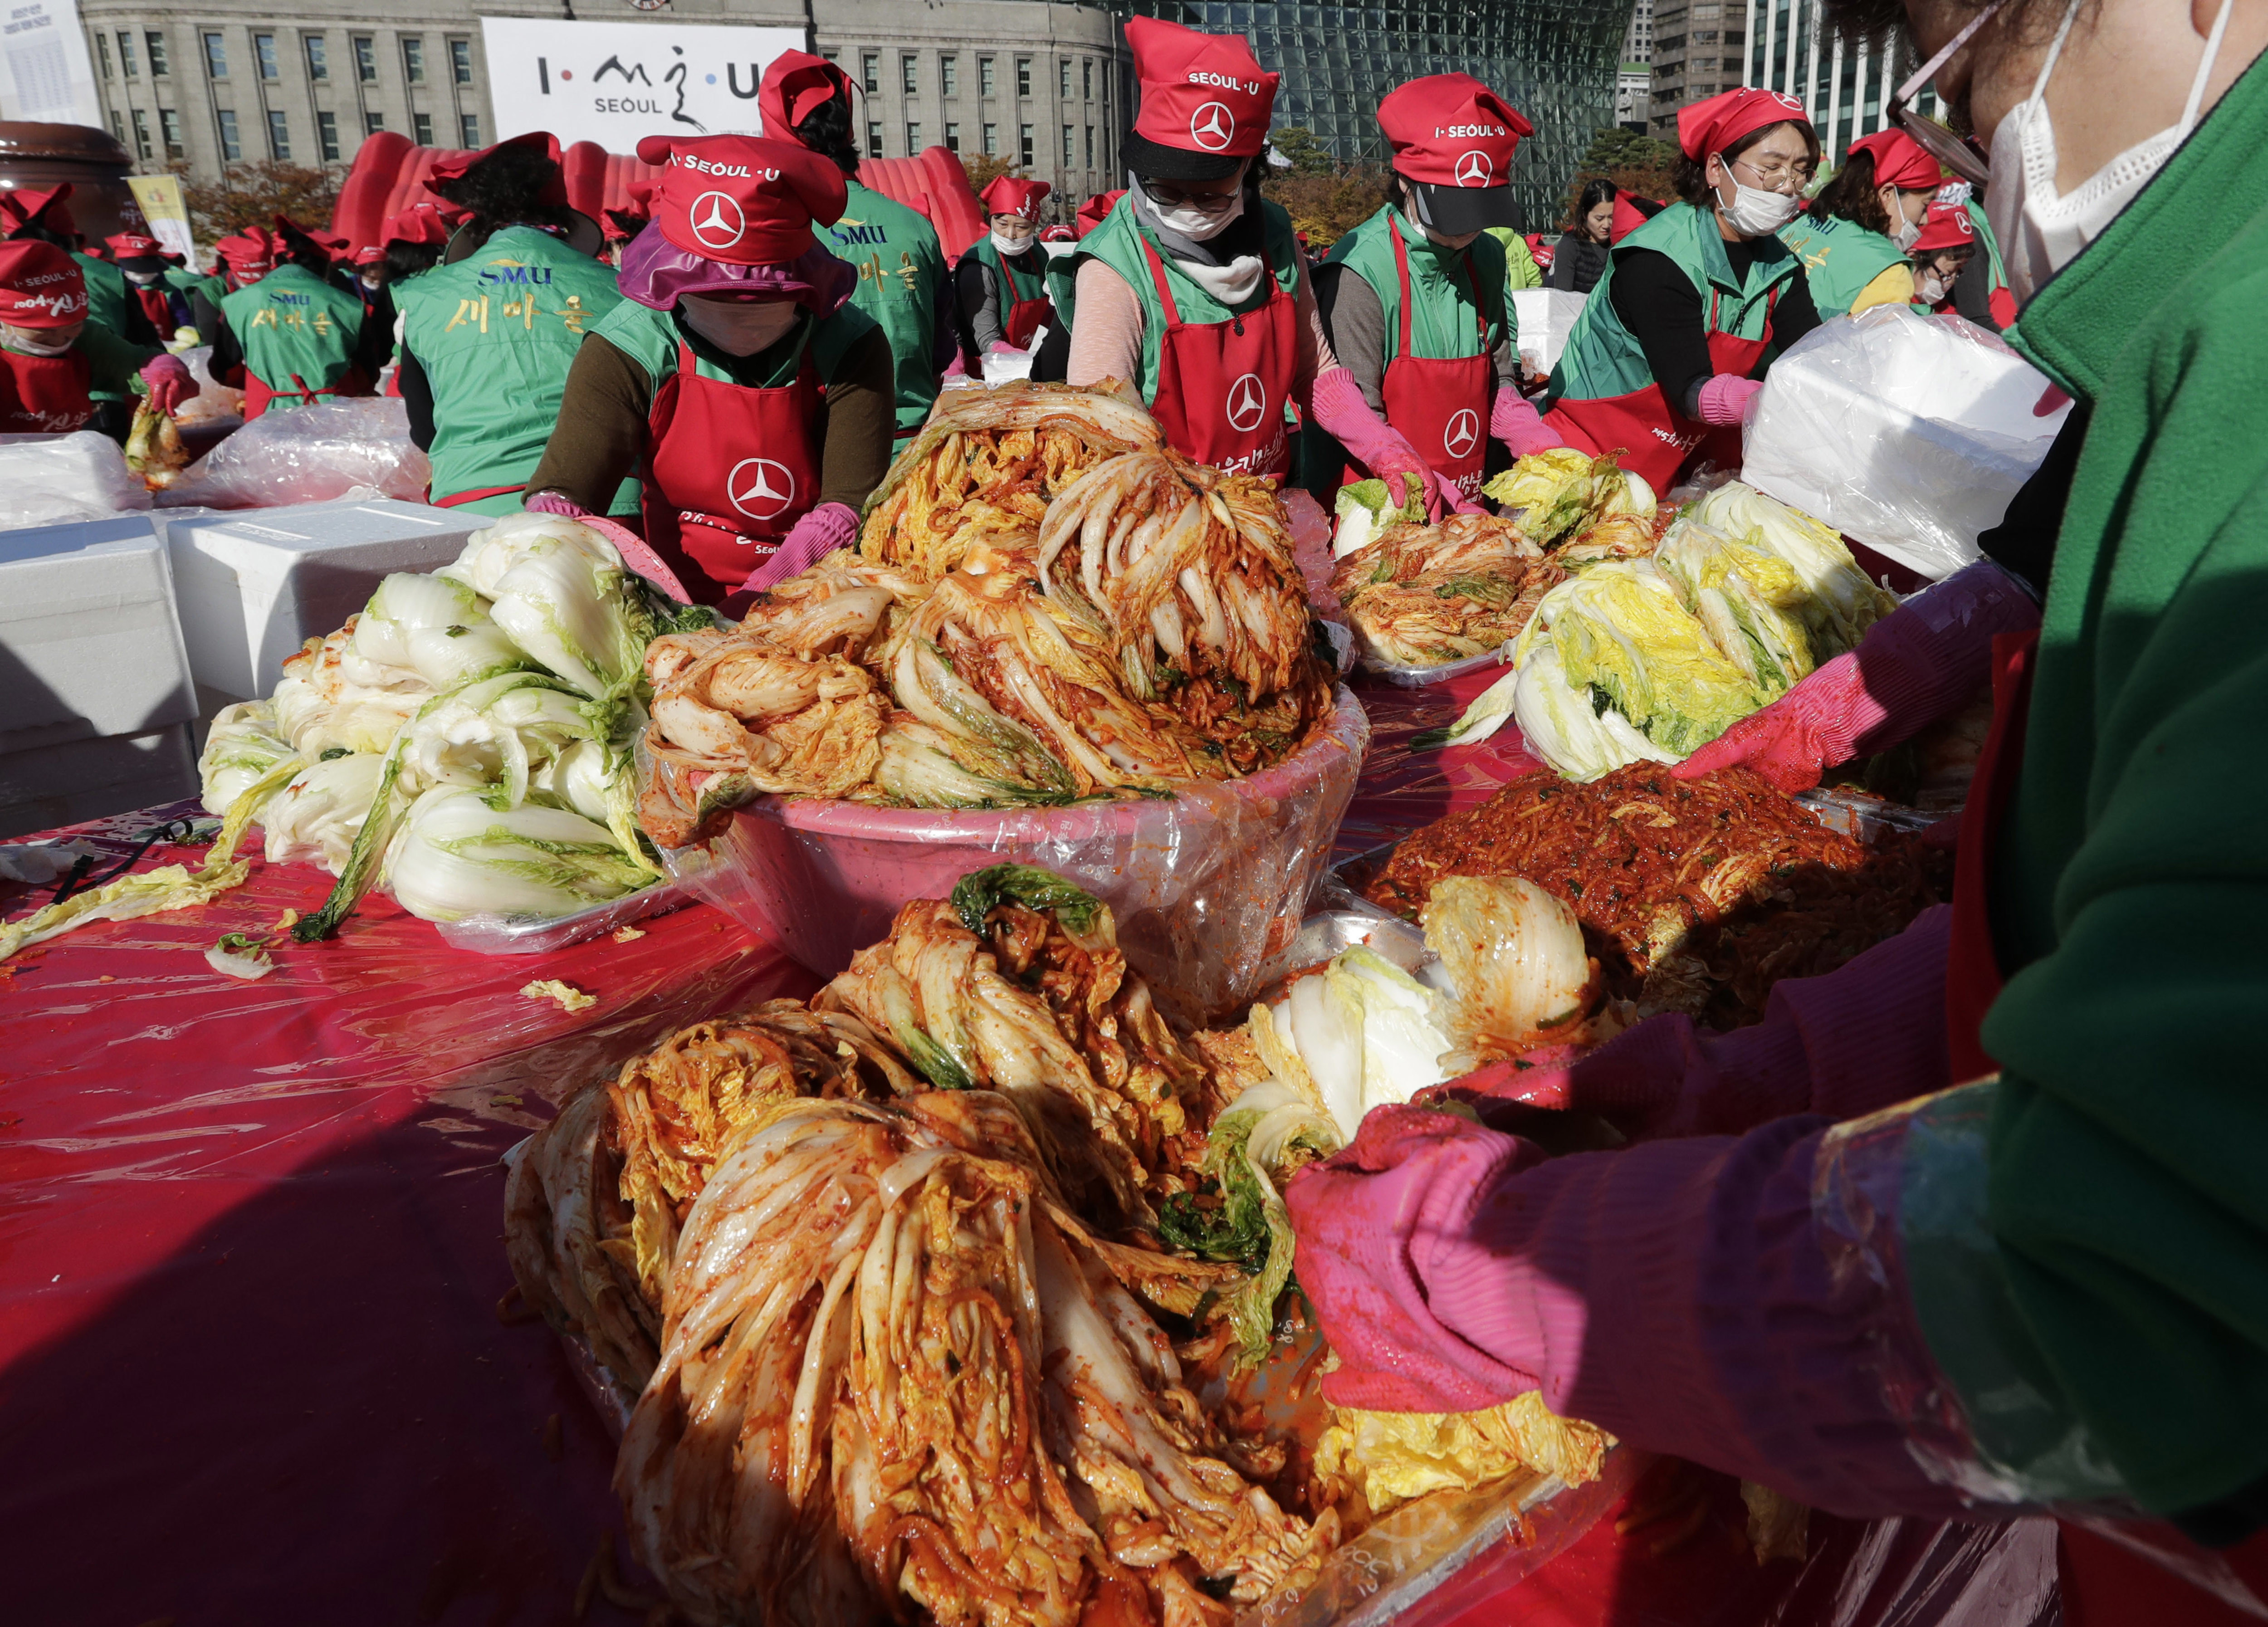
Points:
(1899, 161)
(252, 253)
(796, 85)
(1009, 196)
(451, 167)
(1718, 124)
(744, 200)
(1449, 130)
(369, 255)
(420, 223)
(40, 286)
(21, 206)
(1946, 225)
(1627, 219)
(1201, 92)
(1097, 208)
(133, 245)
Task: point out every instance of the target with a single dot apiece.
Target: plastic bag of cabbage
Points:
(1647, 660)
(466, 742)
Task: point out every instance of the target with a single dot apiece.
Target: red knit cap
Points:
(1718, 124)
(746, 200)
(1899, 161)
(1010, 194)
(1449, 130)
(1201, 92)
(796, 85)
(420, 222)
(1092, 212)
(451, 167)
(133, 245)
(252, 253)
(1627, 219)
(40, 286)
(1946, 225)
(21, 206)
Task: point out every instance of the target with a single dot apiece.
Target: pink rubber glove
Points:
(1726, 397)
(172, 385)
(1514, 420)
(553, 503)
(1918, 663)
(1868, 1033)
(810, 540)
(1369, 439)
(1676, 1294)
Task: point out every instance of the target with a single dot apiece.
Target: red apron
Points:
(1222, 386)
(1025, 317)
(1655, 440)
(473, 495)
(44, 395)
(258, 392)
(1440, 404)
(155, 305)
(729, 470)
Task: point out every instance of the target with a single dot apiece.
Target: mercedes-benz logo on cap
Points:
(760, 488)
(1474, 169)
(1247, 402)
(1213, 127)
(1463, 433)
(718, 222)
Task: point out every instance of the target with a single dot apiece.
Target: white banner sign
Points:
(48, 76)
(166, 211)
(612, 82)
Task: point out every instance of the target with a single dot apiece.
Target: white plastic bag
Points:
(54, 479)
(1907, 432)
(1007, 367)
(1544, 316)
(213, 399)
(352, 448)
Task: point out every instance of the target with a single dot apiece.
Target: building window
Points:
(1087, 77)
(217, 57)
(327, 132)
(992, 140)
(230, 147)
(948, 75)
(1024, 145)
(913, 137)
(421, 125)
(413, 59)
(1062, 76)
(117, 121)
(126, 55)
(169, 130)
(870, 70)
(874, 138)
(987, 82)
(365, 60)
(1023, 76)
(461, 61)
(909, 74)
(279, 135)
(1090, 146)
(319, 62)
(102, 50)
(468, 129)
(141, 135)
(161, 65)
(952, 137)
(263, 50)
(373, 123)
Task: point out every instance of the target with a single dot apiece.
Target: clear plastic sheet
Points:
(357, 447)
(1205, 887)
(496, 934)
(58, 480)
(214, 400)
(1545, 317)
(1490, 661)
(1909, 433)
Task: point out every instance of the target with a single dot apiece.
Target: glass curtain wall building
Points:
(1846, 88)
(1554, 60)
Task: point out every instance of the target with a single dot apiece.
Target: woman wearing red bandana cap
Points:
(52, 357)
(1193, 289)
(1003, 278)
(1414, 301)
(1944, 284)
(706, 382)
(903, 281)
(294, 336)
(140, 258)
(1662, 362)
(1858, 231)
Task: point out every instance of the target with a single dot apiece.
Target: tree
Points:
(1633, 162)
(983, 168)
(1307, 153)
(253, 194)
(1328, 206)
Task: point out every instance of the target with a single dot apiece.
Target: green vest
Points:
(901, 268)
(1840, 257)
(2091, 1271)
(1117, 242)
(184, 281)
(1019, 285)
(494, 336)
(1602, 360)
(107, 302)
(292, 322)
(650, 338)
(1443, 326)
(1519, 268)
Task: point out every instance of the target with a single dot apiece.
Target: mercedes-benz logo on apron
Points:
(1474, 169)
(716, 219)
(1463, 433)
(760, 488)
(1248, 403)
(1213, 127)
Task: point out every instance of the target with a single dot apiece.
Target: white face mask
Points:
(1193, 224)
(739, 327)
(1754, 212)
(20, 341)
(1008, 245)
(1929, 288)
(1908, 233)
(2041, 230)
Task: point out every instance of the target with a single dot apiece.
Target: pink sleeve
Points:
(1106, 329)
(1314, 356)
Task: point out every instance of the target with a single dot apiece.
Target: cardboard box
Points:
(75, 780)
(90, 646)
(254, 584)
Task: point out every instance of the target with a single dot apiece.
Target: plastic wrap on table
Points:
(1205, 887)
(1909, 433)
(1406, 677)
(56, 479)
(1403, 789)
(496, 934)
(214, 400)
(353, 447)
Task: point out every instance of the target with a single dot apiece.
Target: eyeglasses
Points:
(1961, 154)
(1167, 195)
(1779, 175)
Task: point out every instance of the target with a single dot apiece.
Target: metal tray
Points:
(493, 934)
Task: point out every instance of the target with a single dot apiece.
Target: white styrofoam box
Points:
(54, 479)
(89, 642)
(1544, 315)
(1907, 432)
(256, 583)
(62, 784)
